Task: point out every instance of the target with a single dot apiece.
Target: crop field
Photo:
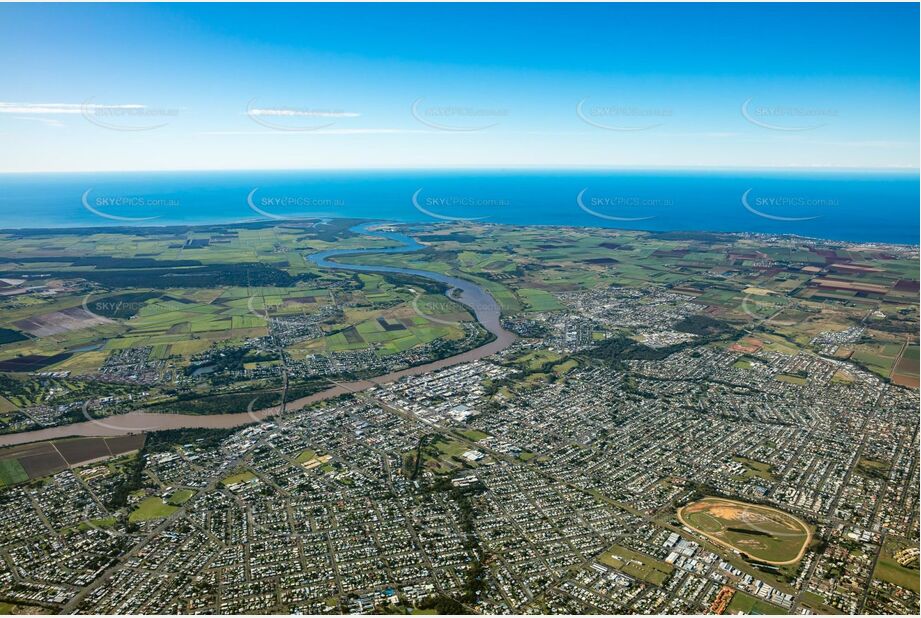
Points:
(35, 460)
(57, 322)
(11, 472)
(388, 332)
(762, 533)
(442, 308)
(878, 358)
(906, 370)
(152, 288)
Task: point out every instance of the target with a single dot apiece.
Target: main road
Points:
(478, 300)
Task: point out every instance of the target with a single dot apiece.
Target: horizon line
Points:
(536, 167)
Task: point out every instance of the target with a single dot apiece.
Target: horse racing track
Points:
(760, 532)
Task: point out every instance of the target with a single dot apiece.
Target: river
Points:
(483, 305)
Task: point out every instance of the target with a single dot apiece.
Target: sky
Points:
(208, 87)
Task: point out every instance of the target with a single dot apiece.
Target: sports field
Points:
(637, 565)
(763, 533)
(151, 508)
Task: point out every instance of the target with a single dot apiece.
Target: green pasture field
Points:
(744, 603)
(539, 300)
(537, 358)
(180, 497)
(239, 477)
(878, 358)
(418, 331)
(11, 472)
(474, 435)
(790, 379)
(305, 455)
(888, 570)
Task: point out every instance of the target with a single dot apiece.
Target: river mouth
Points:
(484, 307)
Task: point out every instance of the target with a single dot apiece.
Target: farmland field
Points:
(11, 472)
(906, 370)
(762, 533)
(32, 461)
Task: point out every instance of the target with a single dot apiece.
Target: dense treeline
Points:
(402, 279)
(160, 441)
(306, 388)
(621, 348)
(702, 325)
(8, 335)
(193, 403)
(231, 359)
(101, 261)
(210, 276)
(134, 480)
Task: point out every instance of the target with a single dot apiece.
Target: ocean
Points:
(850, 206)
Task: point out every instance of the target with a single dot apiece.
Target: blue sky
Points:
(162, 87)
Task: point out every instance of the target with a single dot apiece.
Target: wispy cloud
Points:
(867, 144)
(48, 122)
(368, 131)
(300, 113)
(62, 108)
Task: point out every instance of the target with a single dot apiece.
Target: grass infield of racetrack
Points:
(761, 532)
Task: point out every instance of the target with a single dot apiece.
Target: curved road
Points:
(483, 305)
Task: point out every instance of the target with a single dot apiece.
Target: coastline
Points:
(295, 220)
(852, 206)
